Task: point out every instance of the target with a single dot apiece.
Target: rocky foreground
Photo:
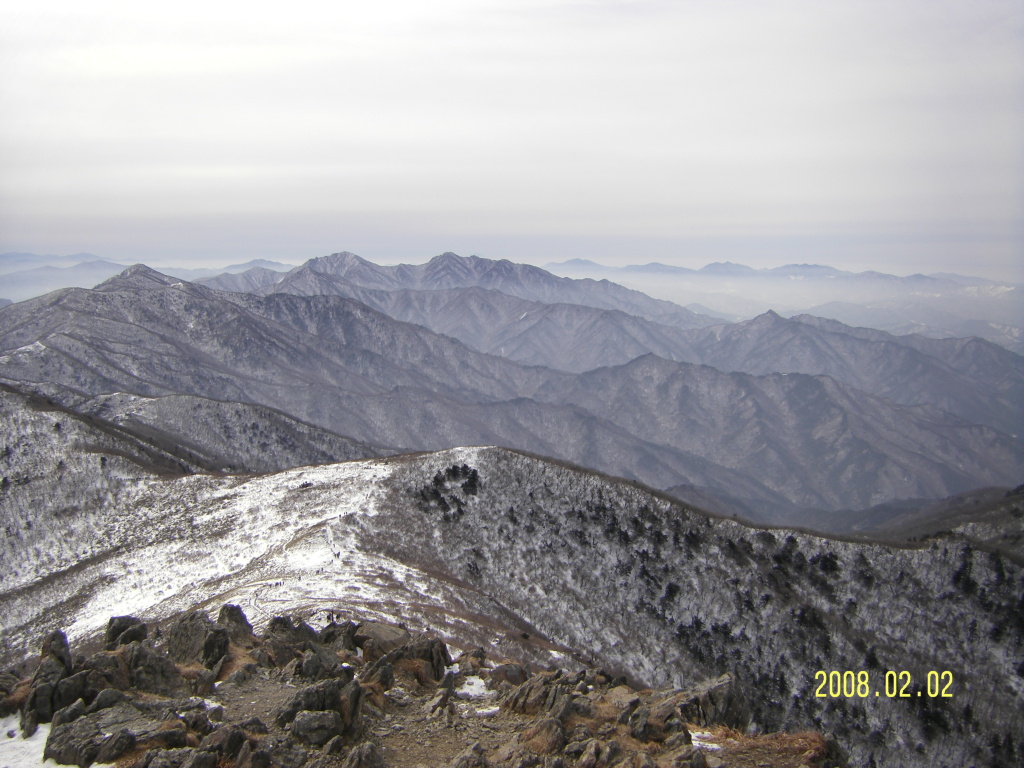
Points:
(194, 693)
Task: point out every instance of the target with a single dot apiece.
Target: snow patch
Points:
(704, 740)
(17, 752)
(473, 688)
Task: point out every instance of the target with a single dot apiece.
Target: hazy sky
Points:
(857, 133)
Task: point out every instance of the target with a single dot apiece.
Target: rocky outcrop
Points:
(54, 666)
(376, 639)
(195, 638)
(126, 706)
(82, 737)
(238, 626)
(122, 630)
(344, 700)
(151, 671)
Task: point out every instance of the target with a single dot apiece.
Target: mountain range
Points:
(779, 443)
(328, 275)
(26, 275)
(506, 551)
(940, 305)
(976, 380)
(462, 447)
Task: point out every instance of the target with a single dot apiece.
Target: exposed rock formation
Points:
(553, 719)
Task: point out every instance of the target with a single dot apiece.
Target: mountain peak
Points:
(337, 263)
(767, 319)
(138, 276)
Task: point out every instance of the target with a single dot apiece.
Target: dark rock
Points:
(134, 634)
(579, 732)
(107, 698)
(284, 752)
(118, 626)
(109, 670)
(473, 660)
(639, 727)
(197, 721)
(335, 746)
(319, 664)
(55, 646)
(543, 692)
(379, 672)
(432, 651)
(242, 674)
(473, 757)
(238, 626)
(680, 739)
(448, 681)
(387, 637)
(582, 706)
(263, 657)
(339, 637)
(8, 682)
(254, 725)
(508, 673)
(226, 741)
(75, 743)
(115, 745)
(440, 703)
(69, 713)
(249, 757)
(215, 646)
(186, 639)
(713, 701)
(275, 652)
(316, 728)
(152, 672)
(344, 698)
(577, 746)
(178, 758)
(590, 755)
(366, 755)
(526, 760)
(544, 737)
(173, 737)
(301, 636)
(688, 757)
(38, 708)
(72, 688)
(611, 754)
(54, 665)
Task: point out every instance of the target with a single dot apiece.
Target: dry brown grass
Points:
(237, 658)
(778, 750)
(16, 699)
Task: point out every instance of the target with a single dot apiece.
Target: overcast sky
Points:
(862, 134)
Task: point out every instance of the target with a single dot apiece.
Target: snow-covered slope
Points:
(531, 558)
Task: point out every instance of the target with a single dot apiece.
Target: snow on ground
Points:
(168, 542)
(275, 544)
(240, 525)
(704, 740)
(16, 752)
(475, 699)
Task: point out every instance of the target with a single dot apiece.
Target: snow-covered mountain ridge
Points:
(788, 442)
(489, 545)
